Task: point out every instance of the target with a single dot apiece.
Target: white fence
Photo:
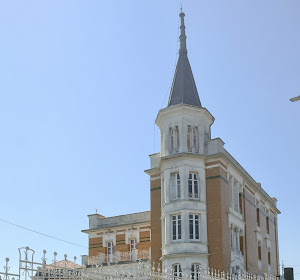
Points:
(59, 270)
(117, 257)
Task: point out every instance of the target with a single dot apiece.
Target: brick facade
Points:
(155, 218)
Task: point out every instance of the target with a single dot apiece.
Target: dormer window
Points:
(174, 139)
(192, 139)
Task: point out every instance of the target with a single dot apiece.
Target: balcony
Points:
(117, 257)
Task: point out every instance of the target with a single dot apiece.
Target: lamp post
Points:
(297, 98)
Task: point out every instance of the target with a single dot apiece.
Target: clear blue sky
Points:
(81, 83)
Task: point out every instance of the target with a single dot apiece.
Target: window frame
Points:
(176, 227)
(177, 271)
(195, 271)
(193, 184)
(174, 139)
(134, 245)
(259, 250)
(175, 186)
(192, 136)
(194, 219)
(110, 251)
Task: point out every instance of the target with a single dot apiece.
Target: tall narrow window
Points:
(177, 138)
(195, 269)
(110, 252)
(174, 139)
(195, 139)
(259, 251)
(194, 227)
(242, 244)
(171, 132)
(236, 197)
(268, 225)
(269, 257)
(175, 181)
(189, 136)
(241, 202)
(133, 244)
(177, 272)
(257, 217)
(232, 238)
(192, 139)
(193, 186)
(176, 225)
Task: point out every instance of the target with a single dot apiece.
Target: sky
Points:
(81, 83)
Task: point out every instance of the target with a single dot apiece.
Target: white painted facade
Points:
(190, 126)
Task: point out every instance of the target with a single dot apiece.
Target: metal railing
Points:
(138, 270)
(118, 257)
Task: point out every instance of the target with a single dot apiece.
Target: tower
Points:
(206, 210)
(178, 186)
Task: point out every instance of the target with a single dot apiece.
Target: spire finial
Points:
(182, 36)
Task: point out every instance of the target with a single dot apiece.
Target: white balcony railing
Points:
(117, 257)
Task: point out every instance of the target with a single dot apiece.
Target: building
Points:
(206, 210)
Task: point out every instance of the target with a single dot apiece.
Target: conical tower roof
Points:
(184, 90)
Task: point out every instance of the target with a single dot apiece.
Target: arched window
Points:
(177, 272)
(195, 271)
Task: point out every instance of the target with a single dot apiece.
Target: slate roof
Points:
(184, 90)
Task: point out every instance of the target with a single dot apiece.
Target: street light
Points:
(297, 98)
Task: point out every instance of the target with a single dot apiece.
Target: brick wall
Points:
(217, 197)
(250, 233)
(96, 246)
(155, 219)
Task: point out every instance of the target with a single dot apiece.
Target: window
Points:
(177, 272)
(189, 135)
(195, 139)
(133, 244)
(268, 225)
(259, 250)
(194, 227)
(110, 251)
(176, 225)
(257, 217)
(192, 139)
(242, 244)
(235, 239)
(235, 197)
(241, 202)
(174, 139)
(269, 257)
(175, 185)
(193, 186)
(195, 269)
(235, 200)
